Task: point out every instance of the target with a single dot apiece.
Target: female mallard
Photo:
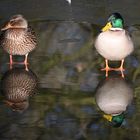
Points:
(17, 86)
(17, 38)
(114, 42)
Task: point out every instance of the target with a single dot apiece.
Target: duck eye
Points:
(11, 22)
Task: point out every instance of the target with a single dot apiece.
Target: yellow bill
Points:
(107, 27)
(108, 117)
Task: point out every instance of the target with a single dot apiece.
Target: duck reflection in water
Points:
(17, 86)
(113, 96)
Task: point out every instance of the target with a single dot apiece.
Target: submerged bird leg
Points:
(107, 68)
(26, 59)
(11, 61)
(121, 68)
(26, 62)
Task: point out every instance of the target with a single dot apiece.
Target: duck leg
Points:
(26, 62)
(121, 68)
(11, 61)
(107, 68)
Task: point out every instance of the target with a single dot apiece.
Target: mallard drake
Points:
(114, 42)
(17, 86)
(113, 96)
(17, 38)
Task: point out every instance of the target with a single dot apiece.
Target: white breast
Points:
(114, 45)
(114, 95)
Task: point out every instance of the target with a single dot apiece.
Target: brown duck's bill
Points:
(6, 27)
(9, 26)
(8, 102)
(107, 27)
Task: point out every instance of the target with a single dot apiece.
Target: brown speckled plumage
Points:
(17, 38)
(18, 41)
(18, 85)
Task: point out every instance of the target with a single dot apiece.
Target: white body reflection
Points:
(113, 96)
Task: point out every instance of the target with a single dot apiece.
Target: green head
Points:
(114, 21)
(118, 120)
(115, 120)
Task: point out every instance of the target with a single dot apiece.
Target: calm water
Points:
(66, 69)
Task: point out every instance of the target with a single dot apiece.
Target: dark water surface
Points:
(66, 69)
